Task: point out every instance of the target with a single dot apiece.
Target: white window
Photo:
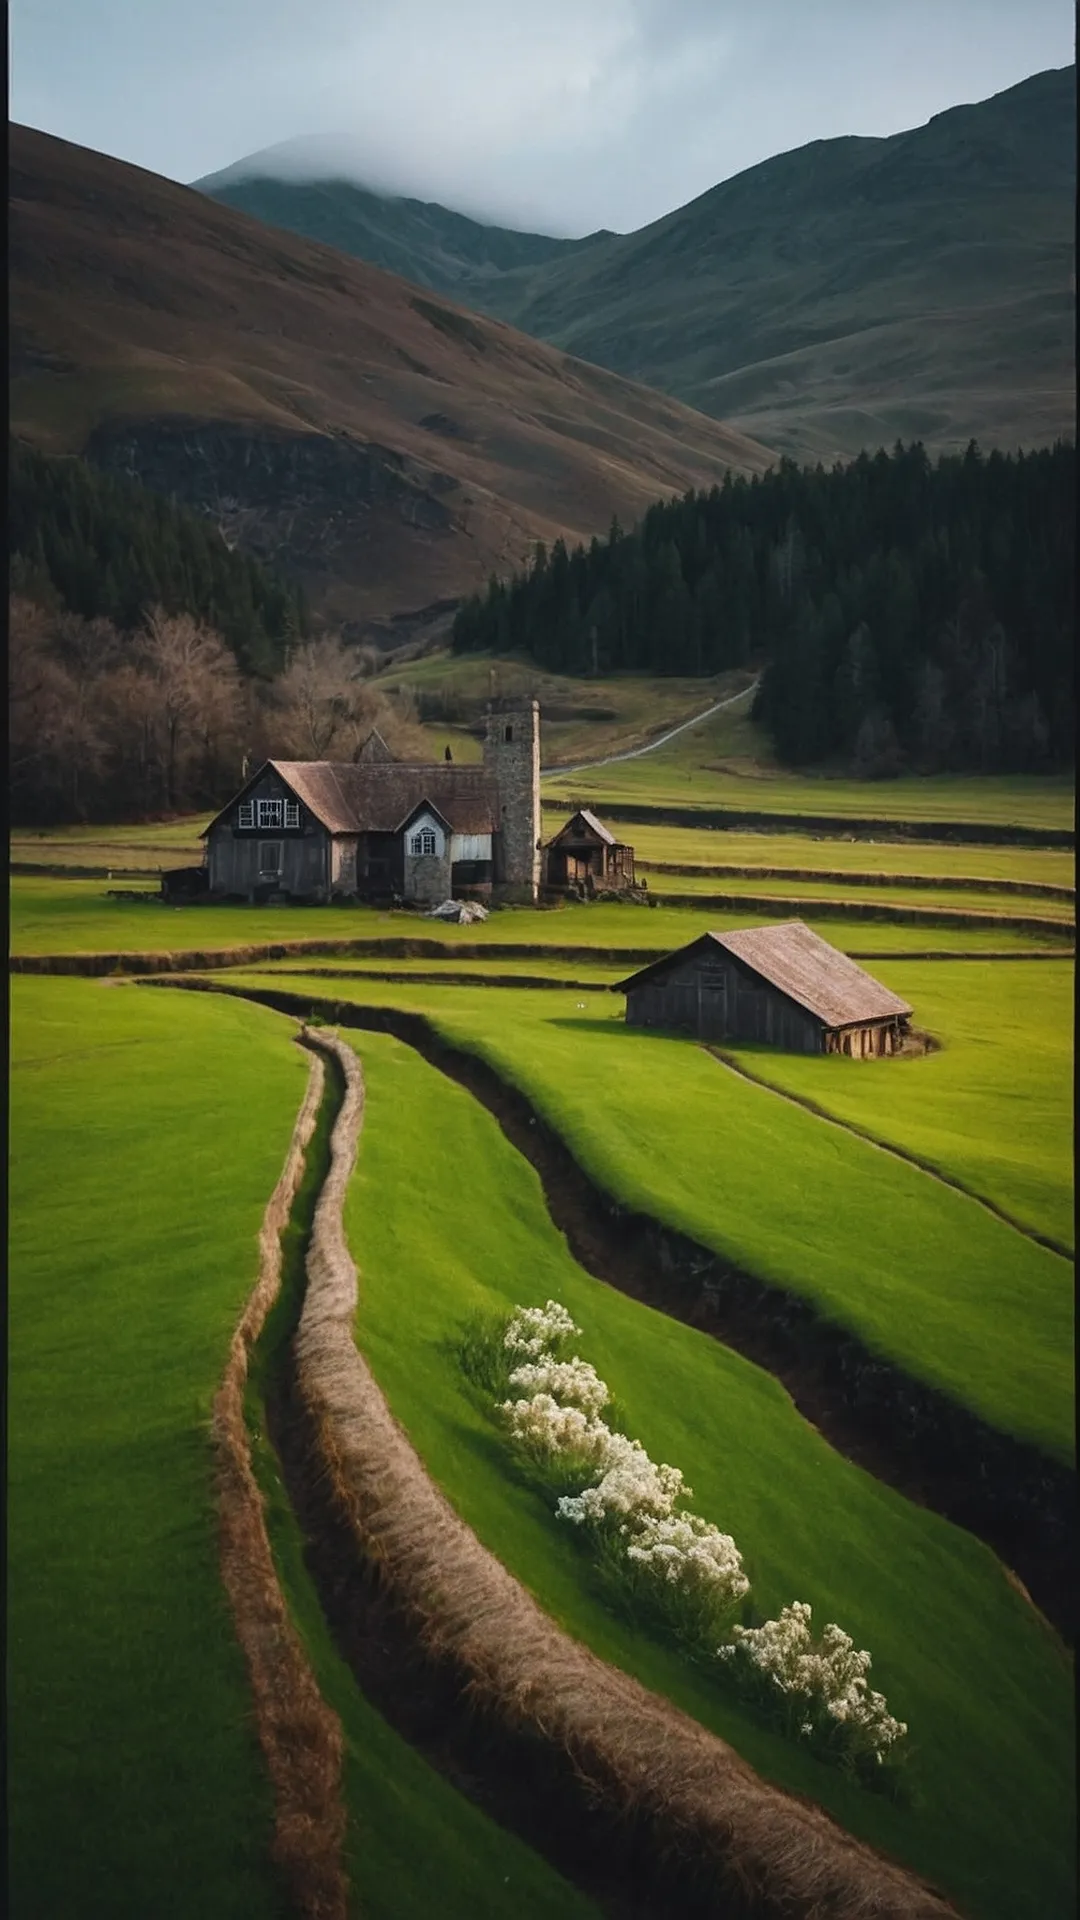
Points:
(269, 813)
(269, 858)
(246, 816)
(424, 841)
(292, 813)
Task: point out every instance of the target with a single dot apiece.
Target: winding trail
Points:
(673, 1796)
(635, 753)
(300, 1736)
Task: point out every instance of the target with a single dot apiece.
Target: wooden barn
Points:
(585, 856)
(783, 985)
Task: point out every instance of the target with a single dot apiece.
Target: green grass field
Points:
(805, 896)
(919, 1272)
(578, 718)
(725, 762)
(54, 915)
(146, 1139)
(148, 1132)
(956, 1649)
(994, 1108)
(724, 847)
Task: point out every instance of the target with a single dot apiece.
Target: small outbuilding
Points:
(585, 856)
(780, 984)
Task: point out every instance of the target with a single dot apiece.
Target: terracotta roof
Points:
(380, 796)
(315, 783)
(377, 797)
(800, 964)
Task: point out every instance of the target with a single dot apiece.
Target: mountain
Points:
(848, 293)
(418, 239)
(385, 448)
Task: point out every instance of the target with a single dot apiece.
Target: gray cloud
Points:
(565, 117)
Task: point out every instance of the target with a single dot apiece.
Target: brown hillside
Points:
(381, 443)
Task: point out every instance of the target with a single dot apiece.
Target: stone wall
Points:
(427, 877)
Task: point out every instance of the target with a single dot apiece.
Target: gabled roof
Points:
(423, 806)
(801, 965)
(596, 826)
(375, 751)
(377, 796)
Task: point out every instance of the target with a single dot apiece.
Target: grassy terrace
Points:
(725, 848)
(148, 1133)
(957, 1651)
(725, 762)
(51, 915)
(993, 1108)
(815, 893)
(146, 1138)
(920, 1272)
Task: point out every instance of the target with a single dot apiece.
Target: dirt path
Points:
(635, 753)
(300, 1736)
(699, 1831)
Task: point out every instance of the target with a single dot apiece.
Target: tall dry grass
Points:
(635, 1755)
(300, 1736)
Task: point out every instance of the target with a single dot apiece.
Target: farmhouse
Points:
(780, 984)
(379, 828)
(585, 856)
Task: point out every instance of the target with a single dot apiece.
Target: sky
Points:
(561, 116)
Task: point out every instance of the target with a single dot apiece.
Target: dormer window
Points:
(269, 812)
(423, 842)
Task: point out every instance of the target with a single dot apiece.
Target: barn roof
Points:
(377, 796)
(591, 821)
(804, 967)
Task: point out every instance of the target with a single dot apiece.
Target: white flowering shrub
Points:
(821, 1684)
(532, 1331)
(628, 1485)
(574, 1383)
(686, 1551)
(671, 1565)
(546, 1429)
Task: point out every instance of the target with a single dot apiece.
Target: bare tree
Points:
(195, 678)
(323, 708)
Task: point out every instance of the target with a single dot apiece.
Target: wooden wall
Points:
(711, 996)
(715, 998)
(241, 859)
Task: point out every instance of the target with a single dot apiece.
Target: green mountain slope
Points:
(418, 239)
(855, 290)
(839, 296)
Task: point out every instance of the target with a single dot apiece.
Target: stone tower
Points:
(512, 762)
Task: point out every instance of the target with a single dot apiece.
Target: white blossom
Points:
(828, 1677)
(689, 1552)
(628, 1483)
(573, 1383)
(534, 1331)
(544, 1427)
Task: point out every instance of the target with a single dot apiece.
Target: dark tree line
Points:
(905, 613)
(106, 548)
